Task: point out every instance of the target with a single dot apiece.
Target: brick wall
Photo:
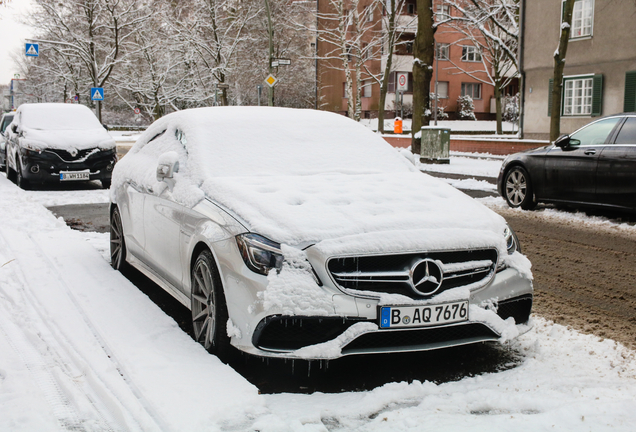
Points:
(476, 145)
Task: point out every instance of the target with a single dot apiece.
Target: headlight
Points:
(512, 242)
(260, 254)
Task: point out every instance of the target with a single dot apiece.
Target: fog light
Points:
(35, 168)
(109, 167)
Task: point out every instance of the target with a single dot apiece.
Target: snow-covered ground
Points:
(81, 348)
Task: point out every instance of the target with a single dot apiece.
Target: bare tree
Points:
(492, 27)
(559, 64)
(424, 52)
(91, 32)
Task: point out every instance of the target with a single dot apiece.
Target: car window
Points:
(5, 122)
(627, 135)
(596, 133)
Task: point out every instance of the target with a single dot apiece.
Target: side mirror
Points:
(14, 128)
(562, 141)
(166, 168)
(105, 126)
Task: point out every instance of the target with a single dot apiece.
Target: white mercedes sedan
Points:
(302, 234)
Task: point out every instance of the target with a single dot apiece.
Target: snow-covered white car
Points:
(56, 142)
(302, 234)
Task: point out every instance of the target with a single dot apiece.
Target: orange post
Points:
(397, 125)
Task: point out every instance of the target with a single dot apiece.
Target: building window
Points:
(404, 45)
(442, 89)
(470, 54)
(471, 89)
(443, 51)
(368, 13)
(577, 96)
(410, 8)
(582, 18)
(367, 87)
(442, 12)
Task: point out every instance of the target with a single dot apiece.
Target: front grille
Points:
(68, 157)
(391, 273)
(284, 333)
(420, 338)
(519, 308)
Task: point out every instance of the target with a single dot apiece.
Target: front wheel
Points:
(117, 243)
(518, 189)
(209, 310)
(19, 179)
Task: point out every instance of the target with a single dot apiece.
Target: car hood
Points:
(359, 213)
(69, 140)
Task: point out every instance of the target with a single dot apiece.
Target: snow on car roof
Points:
(299, 176)
(57, 116)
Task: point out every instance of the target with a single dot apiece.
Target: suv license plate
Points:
(74, 175)
(423, 316)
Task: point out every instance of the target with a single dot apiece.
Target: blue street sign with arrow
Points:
(32, 49)
(97, 93)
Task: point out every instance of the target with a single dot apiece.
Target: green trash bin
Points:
(435, 145)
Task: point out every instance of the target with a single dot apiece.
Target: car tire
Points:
(517, 189)
(19, 179)
(106, 184)
(117, 242)
(209, 309)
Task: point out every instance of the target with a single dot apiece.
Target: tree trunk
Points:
(498, 103)
(423, 52)
(387, 70)
(559, 64)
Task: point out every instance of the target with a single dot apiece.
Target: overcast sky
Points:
(12, 35)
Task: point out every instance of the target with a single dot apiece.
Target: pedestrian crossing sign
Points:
(97, 93)
(32, 50)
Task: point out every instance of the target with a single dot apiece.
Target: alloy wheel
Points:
(203, 304)
(117, 245)
(516, 187)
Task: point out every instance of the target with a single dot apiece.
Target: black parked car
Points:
(596, 165)
(55, 142)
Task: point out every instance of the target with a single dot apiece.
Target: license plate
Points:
(75, 175)
(423, 316)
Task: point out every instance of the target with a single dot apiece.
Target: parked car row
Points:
(53, 143)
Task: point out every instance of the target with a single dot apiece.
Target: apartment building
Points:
(455, 54)
(600, 68)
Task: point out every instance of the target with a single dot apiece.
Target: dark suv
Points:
(52, 142)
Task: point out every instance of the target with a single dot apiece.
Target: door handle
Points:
(590, 152)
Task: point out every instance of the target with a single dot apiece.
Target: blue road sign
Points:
(97, 93)
(32, 49)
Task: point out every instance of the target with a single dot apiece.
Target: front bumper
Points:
(351, 323)
(45, 166)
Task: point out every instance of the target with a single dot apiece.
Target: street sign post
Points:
(402, 81)
(97, 93)
(271, 80)
(283, 62)
(32, 49)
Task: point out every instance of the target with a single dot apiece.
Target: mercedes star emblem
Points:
(426, 276)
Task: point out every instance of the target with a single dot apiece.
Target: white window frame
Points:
(469, 51)
(442, 12)
(473, 86)
(584, 9)
(443, 47)
(578, 95)
(441, 84)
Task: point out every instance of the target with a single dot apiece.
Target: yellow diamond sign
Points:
(271, 80)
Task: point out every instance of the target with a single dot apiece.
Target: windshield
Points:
(58, 117)
(6, 121)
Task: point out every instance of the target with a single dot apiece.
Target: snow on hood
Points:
(61, 126)
(305, 176)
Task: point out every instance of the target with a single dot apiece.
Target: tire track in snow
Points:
(80, 397)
